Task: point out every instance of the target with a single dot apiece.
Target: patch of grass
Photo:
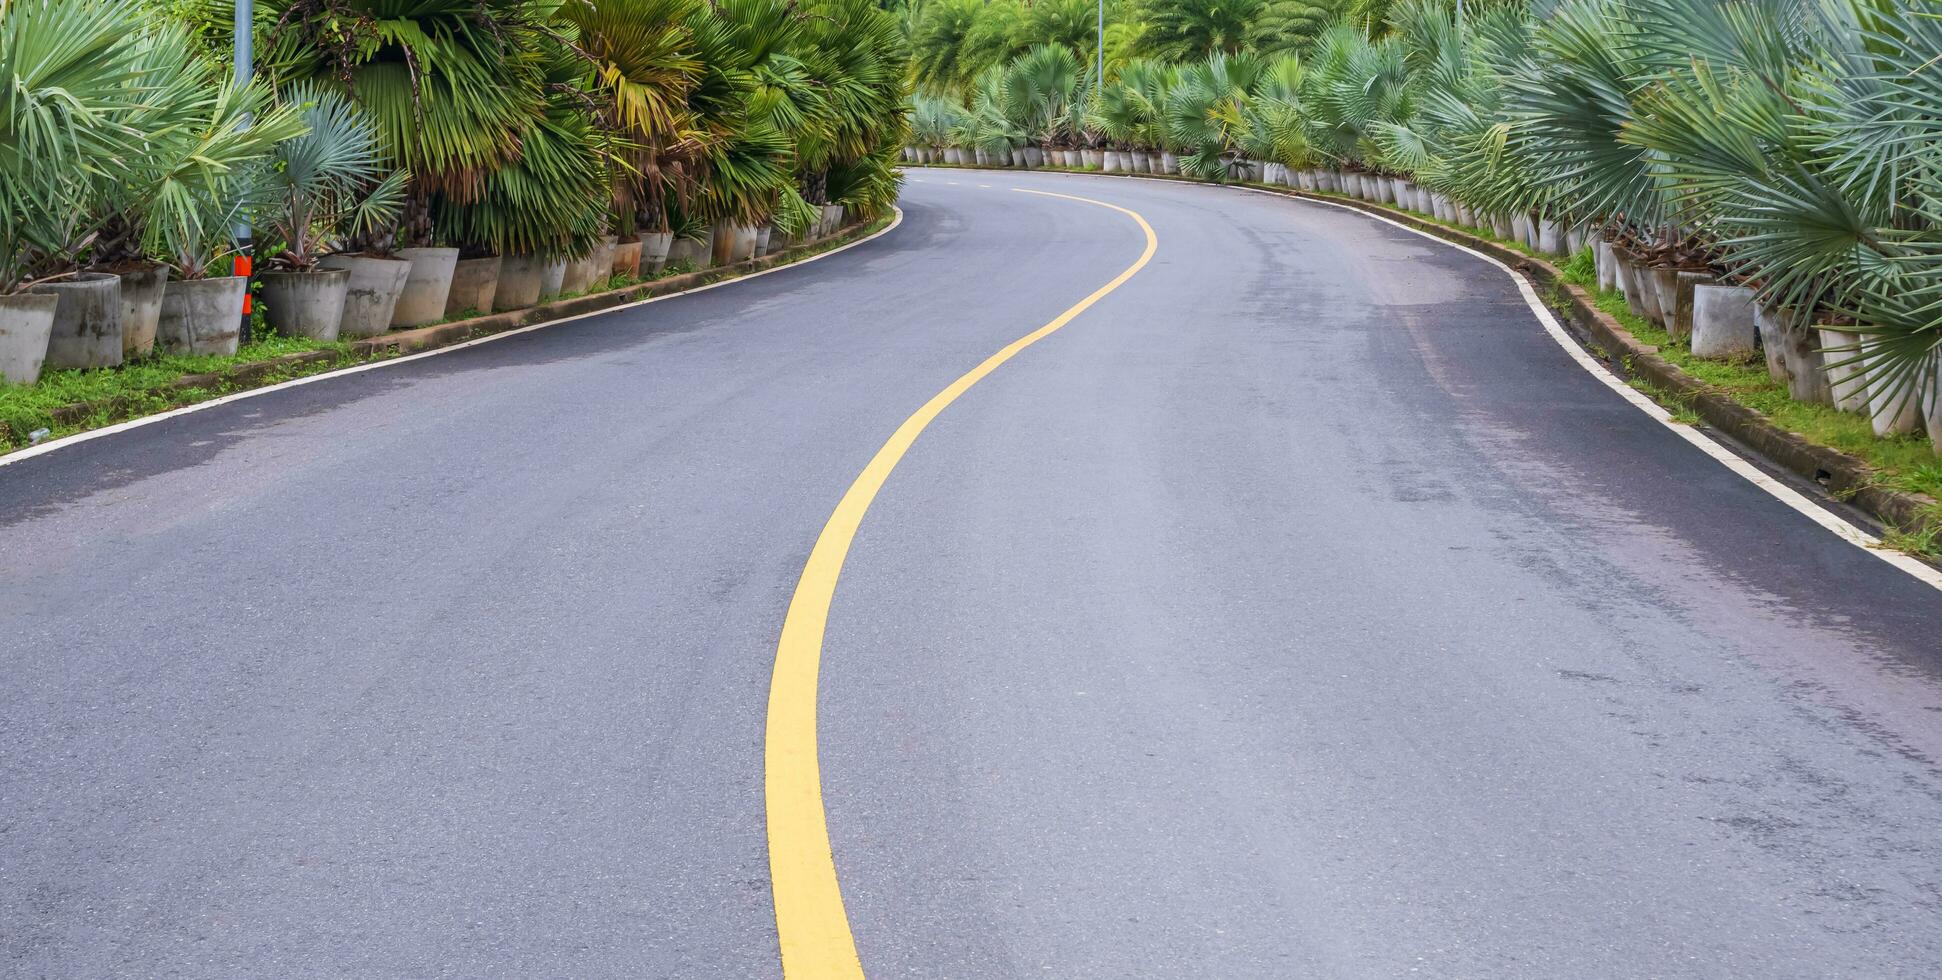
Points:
(25, 408)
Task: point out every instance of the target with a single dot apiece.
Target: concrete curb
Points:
(1845, 477)
(257, 373)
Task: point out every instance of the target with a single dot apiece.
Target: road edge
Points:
(1841, 477)
(443, 338)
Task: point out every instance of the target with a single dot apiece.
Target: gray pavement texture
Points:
(1301, 610)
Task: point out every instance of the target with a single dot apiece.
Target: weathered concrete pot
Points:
(581, 273)
(1648, 295)
(26, 321)
(552, 280)
(762, 235)
(1680, 318)
(1466, 217)
(1806, 372)
(1773, 330)
(372, 295)
(1142, 161)
(1092, 158)
(520, 280)
(1169, 163)
(1630, 275)
(141, 307)
(204, 316)
(1841, 359)
(694, 254)
(745, 242)
(87, 323)
(1574, 239)
(475, 283)
(951, 155)
(1607, 268)
(1018, 156)
(427, 286)
(1893, 409)
(627, 259)
(1034, 156)
(1550, 237)
(1933, 417)
(1722, 321)
(833, 217)
(654, 250)
(305, 304)
(1109, 161)
(1519, 228)
(980, 157)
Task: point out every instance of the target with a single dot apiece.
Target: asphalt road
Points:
(1300, 610)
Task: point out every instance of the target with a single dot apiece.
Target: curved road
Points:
(1300, 609)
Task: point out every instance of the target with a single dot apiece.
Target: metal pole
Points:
(1099, 72)
(245, 264)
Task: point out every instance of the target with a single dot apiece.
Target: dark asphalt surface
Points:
(1299, 610)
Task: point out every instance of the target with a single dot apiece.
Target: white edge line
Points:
(1706, 444)
(80, 437)
(1726, 457)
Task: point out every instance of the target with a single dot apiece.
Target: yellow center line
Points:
(809, 918)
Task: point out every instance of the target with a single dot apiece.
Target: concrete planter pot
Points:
(1018, 156)
(979, 157)
(1034, 156)
(1674, 288)
(690, 252)
(654, 250)
(475, 283)
(1466, 217)
(1893, 409)
(26, 321)
(1649, 295)
(580, 273)
(427, 285)
(141, 307)
(1627, 267)
(520, 279)
(1109, 161)
(305, 304)
(1307, 181)
(762, 236)
(1169, 163)
(205, 316)
(1773, 332)
(951, 155)
(552, 280)
(1722, 321)
(87, 323)
(1933, 418)
(832, 218)
(1142, 162)
(1841, 359)
(1664, 283)
(1574, 239)
(1550, 237)
(1607, 268)
(1440, 208)
(747, 239)
(372, 296)
(1807, 379)
(627, 259)
(1425, 201)
(606, 249)
(1092, 158)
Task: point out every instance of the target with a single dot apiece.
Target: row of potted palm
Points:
(1756, 176)
(403, 162)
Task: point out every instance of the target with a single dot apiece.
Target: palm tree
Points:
(1182, 30)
